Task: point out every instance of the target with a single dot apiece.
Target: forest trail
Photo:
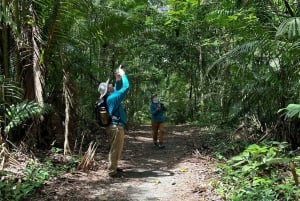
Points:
(179, 172)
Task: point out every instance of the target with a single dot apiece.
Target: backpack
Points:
(101, 112)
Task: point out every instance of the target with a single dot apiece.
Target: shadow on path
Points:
(149, 173)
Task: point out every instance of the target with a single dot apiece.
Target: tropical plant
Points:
(291, 111)
(17, 114)
(257, 66)
(15, 111)
(259, 173)
(33, 176)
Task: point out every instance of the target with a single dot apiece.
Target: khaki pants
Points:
(158, 132)
(116, 135)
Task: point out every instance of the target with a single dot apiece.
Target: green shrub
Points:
(259, 173)
(14, 188)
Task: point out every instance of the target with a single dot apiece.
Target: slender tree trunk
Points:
(67, 149)
(201, 77)
(1, 52)
(19, 7)
(37, 66)
(27, 49)
(55, 17)
(5, 51)
(190, 109)
(5, 39)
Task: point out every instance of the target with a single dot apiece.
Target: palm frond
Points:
(9, 91)
(291, 27)
(18, 113)
(251, 49)
(231, 56)
(292, 110)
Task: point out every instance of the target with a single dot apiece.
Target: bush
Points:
(259, 173)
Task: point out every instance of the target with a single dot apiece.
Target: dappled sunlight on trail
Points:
(178, 172)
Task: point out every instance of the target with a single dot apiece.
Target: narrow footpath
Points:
(179, 172)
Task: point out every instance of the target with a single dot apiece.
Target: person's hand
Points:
(118, 77)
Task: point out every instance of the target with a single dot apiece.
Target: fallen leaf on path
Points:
(156, 181)
(103, 198)
(183, 170)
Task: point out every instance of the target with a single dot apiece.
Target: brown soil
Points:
(184, 170)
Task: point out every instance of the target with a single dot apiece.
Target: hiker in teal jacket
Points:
(115, 109)
(157, 110)
(115, 130)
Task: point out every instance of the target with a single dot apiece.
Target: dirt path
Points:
(175, 173)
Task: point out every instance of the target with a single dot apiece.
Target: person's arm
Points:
(155, 109)
(115, 99)
(122, 83)
(125, 85)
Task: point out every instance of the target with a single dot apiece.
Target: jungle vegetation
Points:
(225, 64)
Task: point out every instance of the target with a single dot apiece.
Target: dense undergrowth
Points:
(265, 171)
(15, 186)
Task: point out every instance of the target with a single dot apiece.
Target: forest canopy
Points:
(212, 62)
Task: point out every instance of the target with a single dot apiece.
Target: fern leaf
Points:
(19, 113)
(291, 27)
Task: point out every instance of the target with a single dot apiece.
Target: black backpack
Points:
(101, 112)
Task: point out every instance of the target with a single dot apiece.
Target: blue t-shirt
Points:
(114, 100)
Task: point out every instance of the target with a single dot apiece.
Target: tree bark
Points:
(67, 149)
(5, 39)
(37, 66)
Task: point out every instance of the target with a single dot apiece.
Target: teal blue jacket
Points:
(157, 113)
(114, 100)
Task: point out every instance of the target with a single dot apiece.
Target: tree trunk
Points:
(67, 149)
(18, 5)
(5, 39)
(31, 67)
(37, 66)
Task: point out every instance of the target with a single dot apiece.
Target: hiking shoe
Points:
(120, 170)
(116, 174)
(161, 146)
(113, 174)
(156, 144)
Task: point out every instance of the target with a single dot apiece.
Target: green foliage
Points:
(226, 57)
(7, 16)
(34, 176)
(291, 111)
(290, 27)
(18, 113)
(56, 150)
(259, 173)
(14, 188)
(10, 91)
(250, 56)
(14, 111)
